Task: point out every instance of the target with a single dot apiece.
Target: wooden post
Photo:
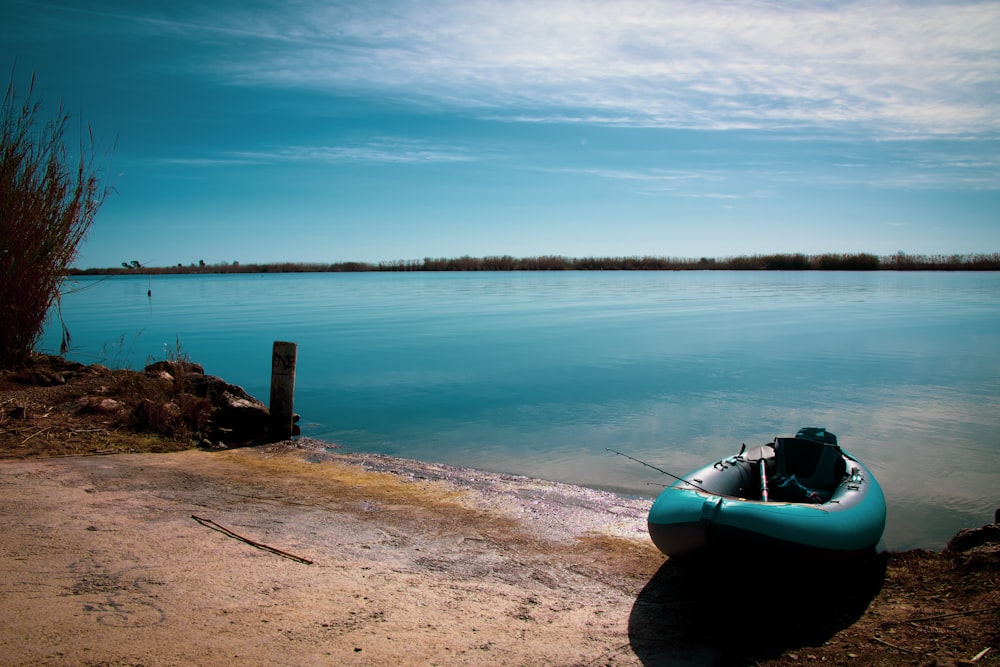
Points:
(282, 389)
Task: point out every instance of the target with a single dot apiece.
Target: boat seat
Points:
(816, 465)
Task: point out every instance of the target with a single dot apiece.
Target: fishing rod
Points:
(660, 470)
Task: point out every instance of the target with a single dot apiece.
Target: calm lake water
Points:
(539, 373)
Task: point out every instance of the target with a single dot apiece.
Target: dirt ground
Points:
(296, 553)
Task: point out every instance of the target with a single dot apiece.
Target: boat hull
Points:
(685, 519)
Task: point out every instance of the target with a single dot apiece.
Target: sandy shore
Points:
(380, 561)
(386, 561)
(103, 564)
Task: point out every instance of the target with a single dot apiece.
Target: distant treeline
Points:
(778, 262)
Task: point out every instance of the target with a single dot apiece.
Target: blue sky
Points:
(320, 131)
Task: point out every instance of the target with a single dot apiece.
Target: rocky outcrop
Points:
(236, 418)
(52, 406)
(977, 548)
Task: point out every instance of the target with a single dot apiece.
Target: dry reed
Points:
(48, 200)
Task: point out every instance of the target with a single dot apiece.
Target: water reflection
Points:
(539, 373)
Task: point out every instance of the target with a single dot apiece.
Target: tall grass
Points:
(48, 200)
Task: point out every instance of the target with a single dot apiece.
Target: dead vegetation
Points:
(54, 407)
(49, 196)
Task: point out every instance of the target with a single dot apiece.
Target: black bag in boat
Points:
(789, 489)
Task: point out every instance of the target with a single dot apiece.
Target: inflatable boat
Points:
(800, 494)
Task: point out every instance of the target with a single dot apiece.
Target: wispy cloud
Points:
(883, 68)
(896, 69)
(907, 167)
(656, 182)
(394, 150)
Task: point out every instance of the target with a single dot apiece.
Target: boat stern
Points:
(679, 539)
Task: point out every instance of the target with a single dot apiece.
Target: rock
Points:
(99, 405)
(39, 377)
(66, 367)
(171, 411)
(174, 368)
(237, 417)
(106, 406)
(976, 548)
(212, 387)
(969, 538)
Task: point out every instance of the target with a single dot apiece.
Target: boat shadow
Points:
(714, 610)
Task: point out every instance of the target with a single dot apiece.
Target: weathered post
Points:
(282, 389)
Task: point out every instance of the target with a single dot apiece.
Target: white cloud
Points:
(914, 68)
(885, 69)
(396, 150)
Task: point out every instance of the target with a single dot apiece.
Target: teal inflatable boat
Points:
(799, 494)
